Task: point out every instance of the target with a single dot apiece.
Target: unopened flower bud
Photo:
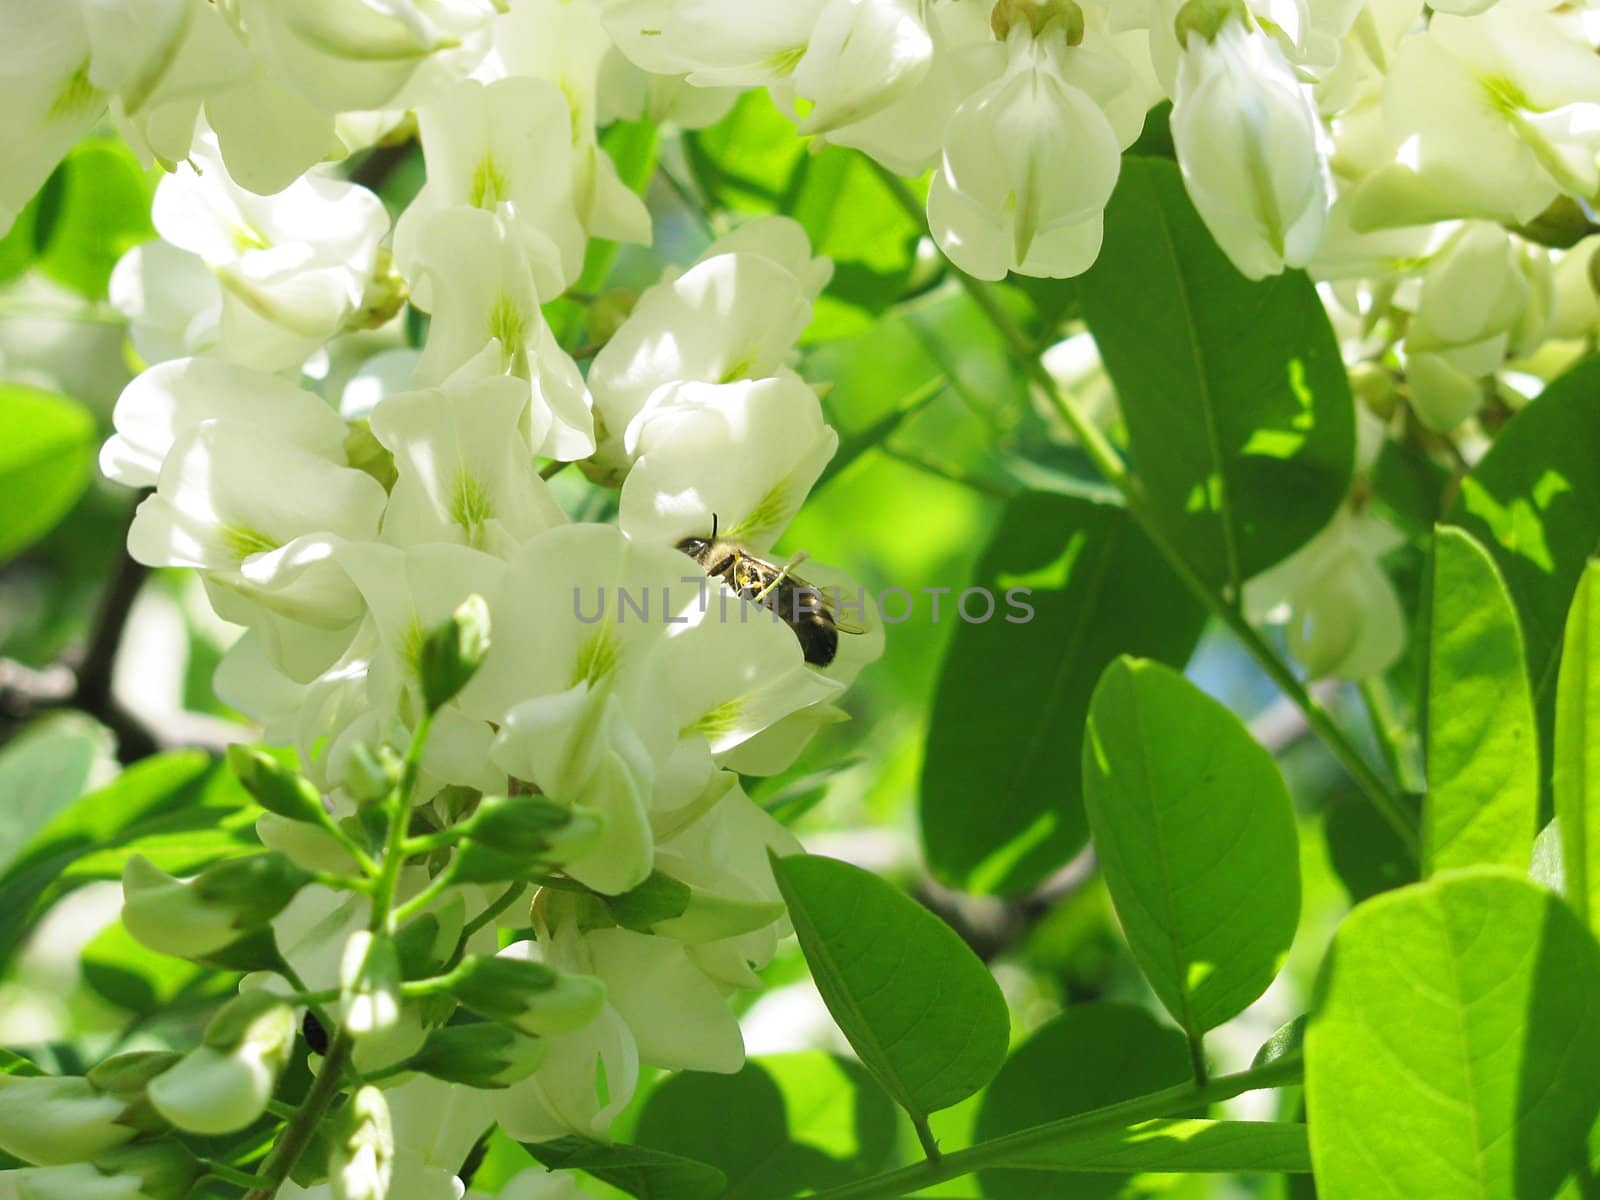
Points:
(482, 1055)
(452, 653)
(200, 916)
(277, 788)
(361, 1161)
(225, 1084)
(528, 996)
(509, 836)
(129, 1074)
(369, 984)
(45, 1119)
(670, 908)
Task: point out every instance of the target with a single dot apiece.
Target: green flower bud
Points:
(277, 788)
(452, 653)
(225, 1084)
(197, 917)
(46, 1119)
(369, 984)
(528, 996)
(483, 1055)
(361, 1160)
(129, 1074)
(658, 898)
(665, 906)
(511, 837)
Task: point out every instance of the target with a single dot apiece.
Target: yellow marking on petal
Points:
(506, 322)
(489, 184)
(242, 541)
(598, 657)
(470, 505)
(722, 719)
(77, 95)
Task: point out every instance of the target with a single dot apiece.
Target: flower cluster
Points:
(349, 421)
(349, 499)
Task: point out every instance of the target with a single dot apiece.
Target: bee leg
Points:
(781, 575)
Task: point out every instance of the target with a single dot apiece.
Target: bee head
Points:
(696, 547)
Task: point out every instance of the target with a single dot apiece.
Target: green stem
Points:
(502, 902)
(1111, 466)
(232, 1175)
(1389, 733)
(394, 856)
(426, 896)
(1197, 1058)
(350, 846)
(297, 1134)
(998, 1151)
(930, 1144)
(429, 842)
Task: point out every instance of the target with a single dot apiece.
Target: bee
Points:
(800, 605)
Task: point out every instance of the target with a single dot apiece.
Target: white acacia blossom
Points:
(355, 421)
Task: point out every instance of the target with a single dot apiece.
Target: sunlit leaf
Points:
(925, 1016)
(47, 446)
(180, 810)
(1576, 772)
(1534, 501)
(1235, 396)
(104, 213)
(44, 770)
(1482, 804)
(1451, 1049)
(1196, 836)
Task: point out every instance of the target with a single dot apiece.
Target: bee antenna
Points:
(713, 527)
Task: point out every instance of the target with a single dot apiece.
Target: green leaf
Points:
(1364, 850)
(131, 977)
(1002, 798)
(1452, 1043)
(46, 768)
(1090, 1056)
(12, 1063)
(924, 1015)
(1238, 409)
(181, 810)
(644, 1174)
(1482, 804)
(751, 160)
(1534, 501)
(783, 1124)
(46, 451)
(105, 212)
(1178, 1146)
(1576, 770)
(1196, 837)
